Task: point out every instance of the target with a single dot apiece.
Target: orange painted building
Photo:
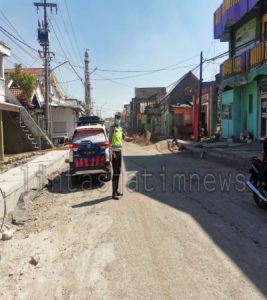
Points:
(182, 121)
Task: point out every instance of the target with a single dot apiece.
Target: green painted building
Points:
(244, 73)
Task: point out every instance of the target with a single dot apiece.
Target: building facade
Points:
(209, 110)
(5, 107)
(144, 98)
(243, 24)
(176, 108)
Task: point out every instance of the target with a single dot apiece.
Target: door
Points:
(263, 115)
(204, 117)
(178, 124)
(227, 120)
(178, 120)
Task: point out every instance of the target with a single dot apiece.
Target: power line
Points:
(73, 31)
(58, 40)
(17, 39)
(114, 81)
(17, 59)
(62, 45)
(61, 76)
(169, 67)
(176, 81)
(21, 39)
(77, 74)
(230, 52)
(67, 34)
(68, 81)
(73, 69)
(149, 73)
(7, 21)
(74, 80)
(17, 44)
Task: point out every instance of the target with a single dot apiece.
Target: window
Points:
(250, 104)
(92, 135)
(227, 112)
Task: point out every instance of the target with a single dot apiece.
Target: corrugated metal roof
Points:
(147, 92)
(39, 72)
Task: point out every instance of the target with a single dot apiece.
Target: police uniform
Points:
(116, 137)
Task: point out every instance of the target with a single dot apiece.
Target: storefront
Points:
(241, 110)
(182, 121)
(208, 111)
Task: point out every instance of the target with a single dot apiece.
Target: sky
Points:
(121, 35)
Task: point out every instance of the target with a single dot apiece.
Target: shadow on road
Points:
(62, 183)
(92, 203)
(229, 217)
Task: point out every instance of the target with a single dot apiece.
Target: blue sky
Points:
(120, 35)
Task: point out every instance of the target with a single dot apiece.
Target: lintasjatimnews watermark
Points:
(143, 181)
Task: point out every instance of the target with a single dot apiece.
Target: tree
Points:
(26, 81)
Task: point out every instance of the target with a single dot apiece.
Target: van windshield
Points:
(89, 135)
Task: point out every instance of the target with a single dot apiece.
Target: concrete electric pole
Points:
(44, 41)
(200, 95)
(87, 85)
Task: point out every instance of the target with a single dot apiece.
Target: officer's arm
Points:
(111, 130)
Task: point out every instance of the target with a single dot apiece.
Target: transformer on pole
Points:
(44, 41)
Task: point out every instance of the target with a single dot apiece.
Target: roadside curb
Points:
(20, 213)
(30, 176)
(218, 156)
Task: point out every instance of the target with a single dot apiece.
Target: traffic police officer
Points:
(115, 139)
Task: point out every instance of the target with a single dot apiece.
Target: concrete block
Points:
(31, 176)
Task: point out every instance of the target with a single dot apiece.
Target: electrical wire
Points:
(169, 67)
(58, 71)
(19, 46)
(149, 73)
(114, 81)
(230, 52)
(17, 59)
(73, 32)
(17, 39)
(68, 35)
(8, 22)
(73, 69)
(77, 74)
(62, 45)
(68, 81)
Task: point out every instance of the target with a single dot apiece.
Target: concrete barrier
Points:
(227, 159)
(31, 176)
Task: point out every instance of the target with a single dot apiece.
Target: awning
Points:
(65, 105)
(9, 107)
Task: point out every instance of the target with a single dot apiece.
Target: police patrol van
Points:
(89, 149)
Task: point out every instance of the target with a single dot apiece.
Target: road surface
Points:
(179, 232)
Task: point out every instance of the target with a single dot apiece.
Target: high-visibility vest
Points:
(116, 137)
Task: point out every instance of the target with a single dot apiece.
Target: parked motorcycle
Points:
(258, 182)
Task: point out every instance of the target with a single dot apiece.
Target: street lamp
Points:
(50, 116)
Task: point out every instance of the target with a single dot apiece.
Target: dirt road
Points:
(175, 234)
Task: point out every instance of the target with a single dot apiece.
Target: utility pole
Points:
(200, 94)
(44, 41)
(87, 85)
